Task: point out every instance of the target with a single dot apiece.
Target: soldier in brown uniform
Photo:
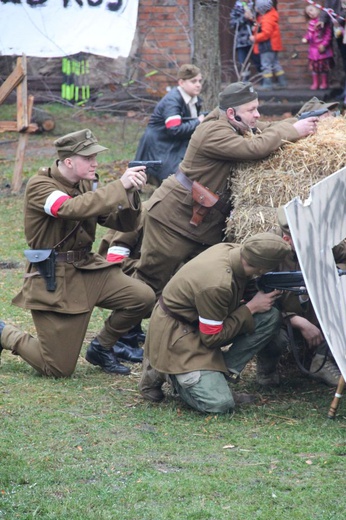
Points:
(229, 134)
(300, 318)
(62, 207)
(200, 311)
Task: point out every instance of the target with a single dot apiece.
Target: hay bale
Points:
(260, 187)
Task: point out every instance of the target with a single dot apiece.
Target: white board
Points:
(316, 226)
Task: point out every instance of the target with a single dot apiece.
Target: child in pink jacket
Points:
(320, 52)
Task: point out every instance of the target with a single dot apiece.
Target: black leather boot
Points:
(105, 358)
(126, 352)
(135, 337)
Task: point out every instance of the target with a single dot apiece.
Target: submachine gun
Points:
(282, 281)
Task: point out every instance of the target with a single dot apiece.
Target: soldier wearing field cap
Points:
(64, 279)
(200, 311)
(323, 108)
(187, 213)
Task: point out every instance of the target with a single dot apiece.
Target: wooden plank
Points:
(11, 82)
(18, 165)
(22, 98)
(11, 126)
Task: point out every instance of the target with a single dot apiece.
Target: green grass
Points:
(120, 135)
(89, 448)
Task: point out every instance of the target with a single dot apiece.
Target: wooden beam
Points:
(11, 126)
(23, 140)
(22, 98)
(11, 82)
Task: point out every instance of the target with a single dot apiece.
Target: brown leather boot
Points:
(151, 383)
(267, 373)
(241, 398)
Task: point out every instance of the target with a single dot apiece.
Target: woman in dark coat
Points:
(172, 123)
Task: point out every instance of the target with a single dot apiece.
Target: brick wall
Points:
(164, 36)
(294, 57)
(164, 42)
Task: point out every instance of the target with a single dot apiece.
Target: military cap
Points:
(82, 142)
(265, 250)
(316, 104)
(188, 71)
(282, 220)
(237, 94)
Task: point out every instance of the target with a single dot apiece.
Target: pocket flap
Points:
(203, 196)
(37, 255)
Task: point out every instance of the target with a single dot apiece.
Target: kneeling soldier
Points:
(200, 311)
(64, 280)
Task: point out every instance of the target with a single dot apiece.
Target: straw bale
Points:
(260, 187)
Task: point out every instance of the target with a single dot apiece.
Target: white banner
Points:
(54, 28)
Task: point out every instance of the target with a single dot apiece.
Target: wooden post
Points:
(22, 142)
(336, 400)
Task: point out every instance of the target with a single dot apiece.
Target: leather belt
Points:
(222, 207)
(72, 256)
(174, 315)
(184, 180)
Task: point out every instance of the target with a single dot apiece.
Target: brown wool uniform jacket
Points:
(108, 206)
(210, 287)
(214, 149)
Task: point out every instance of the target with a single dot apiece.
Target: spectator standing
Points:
(172, 123)
(268, 43)
(242, 20)
(320, 52)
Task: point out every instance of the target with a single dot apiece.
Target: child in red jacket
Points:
(267, 39)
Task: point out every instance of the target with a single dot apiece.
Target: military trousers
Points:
(60, 336)
(163, 251)
(208, 391)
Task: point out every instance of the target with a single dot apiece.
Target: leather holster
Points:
(203, 201)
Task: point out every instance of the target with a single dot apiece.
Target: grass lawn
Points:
(90, 448)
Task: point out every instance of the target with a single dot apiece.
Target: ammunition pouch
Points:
(203, 201)
(44, 260)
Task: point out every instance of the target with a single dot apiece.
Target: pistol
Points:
(148, 164)
(313, 113)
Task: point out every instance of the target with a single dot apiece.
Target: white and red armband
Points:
(117, 254)
(210, 327)
(54, 202)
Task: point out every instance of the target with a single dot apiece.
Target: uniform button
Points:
(228, 270)
(120, 206)
(185, 331)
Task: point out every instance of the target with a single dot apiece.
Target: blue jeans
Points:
(270, 64)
